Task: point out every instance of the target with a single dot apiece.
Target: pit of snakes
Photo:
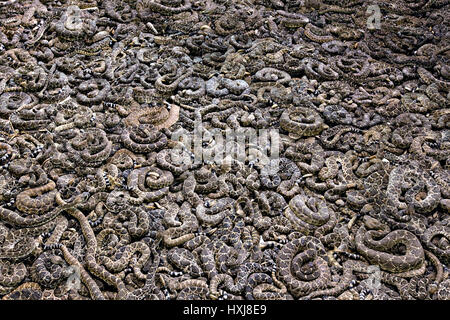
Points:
(224, 150)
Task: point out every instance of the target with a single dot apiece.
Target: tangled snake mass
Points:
(95, 206)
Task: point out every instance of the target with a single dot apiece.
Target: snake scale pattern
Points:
(93, 205)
